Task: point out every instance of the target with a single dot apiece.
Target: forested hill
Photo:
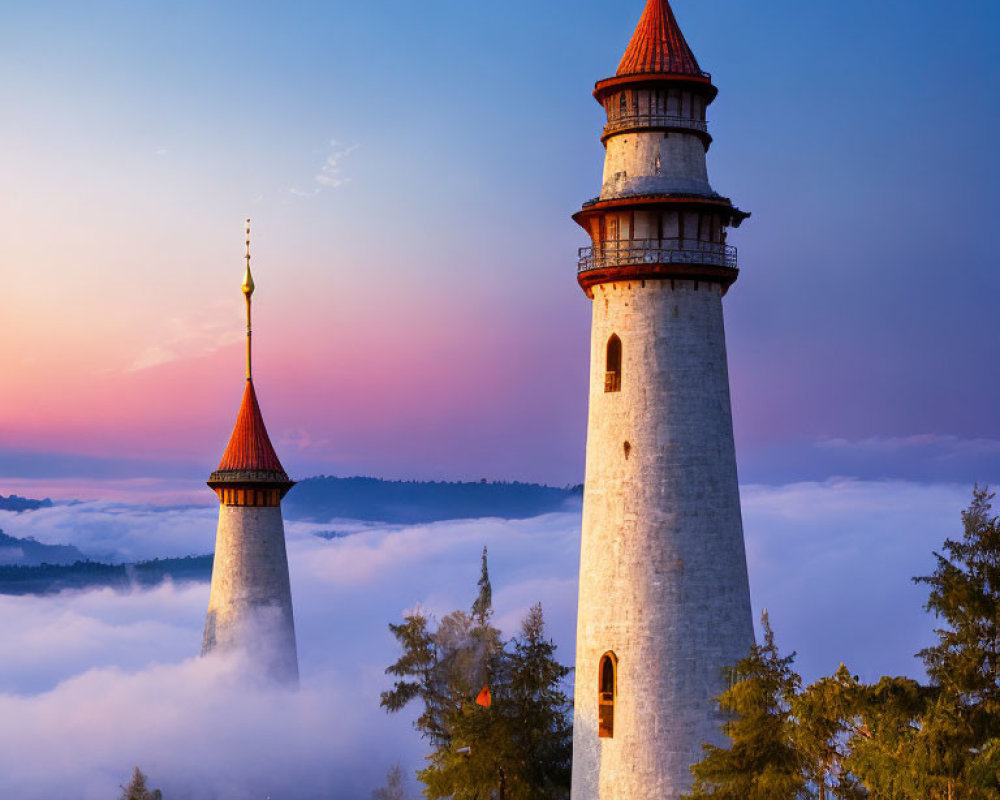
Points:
(15, 503)
(28, 552)
(325, 498)
(52, 578)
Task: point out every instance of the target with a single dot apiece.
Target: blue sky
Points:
(411, 170)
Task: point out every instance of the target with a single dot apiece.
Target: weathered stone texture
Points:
(630, 165)
(250, 606)
(663, 579)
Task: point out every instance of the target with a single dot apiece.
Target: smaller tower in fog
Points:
(250, 605)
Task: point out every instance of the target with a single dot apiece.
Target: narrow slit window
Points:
(606, 695)
(613, 367)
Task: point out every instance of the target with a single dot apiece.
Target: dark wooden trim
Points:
(693, 83)
(723, 205)
(690, 272)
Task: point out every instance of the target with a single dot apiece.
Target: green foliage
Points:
(895, 739)
(956, 734)
(537, 712)
(482, 609)
(762, 761)
(882, 732)
(136, 789)
(518, 747)
(825, 716)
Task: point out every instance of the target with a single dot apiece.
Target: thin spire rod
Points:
(247, 293)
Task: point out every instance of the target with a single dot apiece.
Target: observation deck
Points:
(654, 121)
(656, 259)
(635, 252)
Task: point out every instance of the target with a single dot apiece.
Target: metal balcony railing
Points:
(654, 121)
(631, 252)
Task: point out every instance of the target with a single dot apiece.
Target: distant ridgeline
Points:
(52, 578)
(28, 552)
(15, 503)
(31, 567)
(325, 498)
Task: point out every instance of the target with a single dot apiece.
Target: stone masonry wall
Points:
(630, 165)
(250, 605)
(663, 579)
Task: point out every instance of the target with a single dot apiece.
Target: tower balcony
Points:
(647, 252)
(631, 122)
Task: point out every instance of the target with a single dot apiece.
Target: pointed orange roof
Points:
(249, 456)
(250, 448)
(658, 45)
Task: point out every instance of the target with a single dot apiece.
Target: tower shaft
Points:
(663, 581)
(250, 605)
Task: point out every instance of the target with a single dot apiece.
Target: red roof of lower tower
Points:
(250, 448)
(658, 45)
(249, 456)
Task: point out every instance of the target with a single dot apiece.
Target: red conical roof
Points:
(658, 45)
(250, 448)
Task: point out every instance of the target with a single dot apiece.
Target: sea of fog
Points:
(93, 683)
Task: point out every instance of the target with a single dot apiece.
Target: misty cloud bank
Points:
(92, 683)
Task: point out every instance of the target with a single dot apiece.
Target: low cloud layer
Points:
(199, 731)
(926, 458)
(93, 683)
(833, 563)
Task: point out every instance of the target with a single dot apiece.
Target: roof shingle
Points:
(250, 448)
(658, 45)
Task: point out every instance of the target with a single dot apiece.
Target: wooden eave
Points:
(726, 276)
(651, 80)
(649, 201)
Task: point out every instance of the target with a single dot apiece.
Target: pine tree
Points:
(762, 761)
(537, 711)
(417, 669)
(882, 744)
(825, 717)
(485, 638)
(964, 665)
(136, 789)
(520, 746)
(482, 608)
(514, 746)
(394, 788)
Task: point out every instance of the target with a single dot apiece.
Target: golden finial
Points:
(247, 277)
(247, 293)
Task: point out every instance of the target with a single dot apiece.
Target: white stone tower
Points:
(250, 606)
(664, 597)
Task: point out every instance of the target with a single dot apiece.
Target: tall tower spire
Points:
(664, 598)
(250, 605)
(248, 294)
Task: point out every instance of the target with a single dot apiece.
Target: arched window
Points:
(606, 695)
(613, 369)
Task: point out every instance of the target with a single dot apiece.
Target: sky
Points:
(410, 170)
